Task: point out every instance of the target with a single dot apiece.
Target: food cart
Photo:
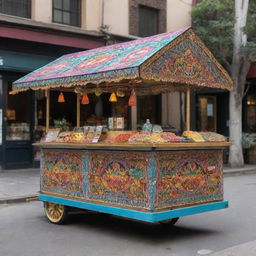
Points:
(151, 177)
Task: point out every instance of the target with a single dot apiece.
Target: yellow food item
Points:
(195, 136)
(77, 137)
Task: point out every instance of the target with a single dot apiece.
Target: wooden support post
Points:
(134, 116)
(78, 107)
(47, 95)
(188, 109)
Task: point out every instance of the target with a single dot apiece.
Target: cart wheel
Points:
(170, 222)
(56, 213)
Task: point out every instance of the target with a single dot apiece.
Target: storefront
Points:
(22, 115)
(249, 103)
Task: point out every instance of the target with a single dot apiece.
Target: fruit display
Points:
(213, 137)
(139, 137)
(71, 137)
(172, 137)
(77, 137)
(64, 137)
(194, 136)
(145, 137)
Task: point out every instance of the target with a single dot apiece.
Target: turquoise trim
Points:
(138, 215)
(152, 183)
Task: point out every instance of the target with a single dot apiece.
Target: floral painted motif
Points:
(178, 58)
(119, 177)
(187, 61)
(144, 180)
(188, 178)
(63, 172)
(126, 55)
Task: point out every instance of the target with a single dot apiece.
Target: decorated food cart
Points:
(150, 175)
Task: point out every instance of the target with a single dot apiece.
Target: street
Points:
(25, 231)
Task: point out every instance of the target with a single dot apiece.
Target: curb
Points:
(239, 172)
(19, 199)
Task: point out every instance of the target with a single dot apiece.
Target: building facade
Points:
(35, 32)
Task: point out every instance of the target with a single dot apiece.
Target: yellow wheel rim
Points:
(169, 221)
(53, 211)
(166, 221)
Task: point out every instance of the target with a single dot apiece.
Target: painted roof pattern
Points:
(114, 57)
(172, 58)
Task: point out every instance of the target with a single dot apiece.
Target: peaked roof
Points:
(171, 58)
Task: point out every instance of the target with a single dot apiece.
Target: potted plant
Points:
(249, 148)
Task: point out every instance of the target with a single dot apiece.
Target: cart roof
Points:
(161, 62)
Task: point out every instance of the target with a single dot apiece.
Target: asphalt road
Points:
(24, 230)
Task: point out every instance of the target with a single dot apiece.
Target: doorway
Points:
(17, 128)
(207, 114)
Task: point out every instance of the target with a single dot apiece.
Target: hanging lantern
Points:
(85, 99)
(120, 93)
(98, 91)
(132, 99)
(112, 97)
(61, 98)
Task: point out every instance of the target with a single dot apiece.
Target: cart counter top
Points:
(137, 146)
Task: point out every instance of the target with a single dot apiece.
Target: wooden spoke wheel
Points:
(56, 213)
(170, 222)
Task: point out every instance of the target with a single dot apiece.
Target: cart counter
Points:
(143, 177)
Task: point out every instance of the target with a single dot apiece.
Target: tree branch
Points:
(227, 64)
(246, 90)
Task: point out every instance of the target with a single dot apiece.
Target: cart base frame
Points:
(133, 214)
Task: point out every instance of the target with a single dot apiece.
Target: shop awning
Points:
(158, 63)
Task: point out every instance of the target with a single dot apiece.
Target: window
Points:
(148, 21)
(21, 8)
(250, 112)
(67, 12)
(17, 114)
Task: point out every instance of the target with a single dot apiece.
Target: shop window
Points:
(67, 12)
(207, 115)
(148, 21)
(17, 116)
(21, 8)
(251, 113)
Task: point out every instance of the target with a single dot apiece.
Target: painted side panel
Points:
(147, 180)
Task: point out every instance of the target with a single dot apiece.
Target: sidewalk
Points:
(18, 185)
(23, 184)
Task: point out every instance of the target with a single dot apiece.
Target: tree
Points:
(228, 29)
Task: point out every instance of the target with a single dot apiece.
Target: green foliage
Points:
(213, 21)
(62, 124)
(247, 141)
(250, 29)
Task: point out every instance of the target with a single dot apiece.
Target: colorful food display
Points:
(131, 137)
